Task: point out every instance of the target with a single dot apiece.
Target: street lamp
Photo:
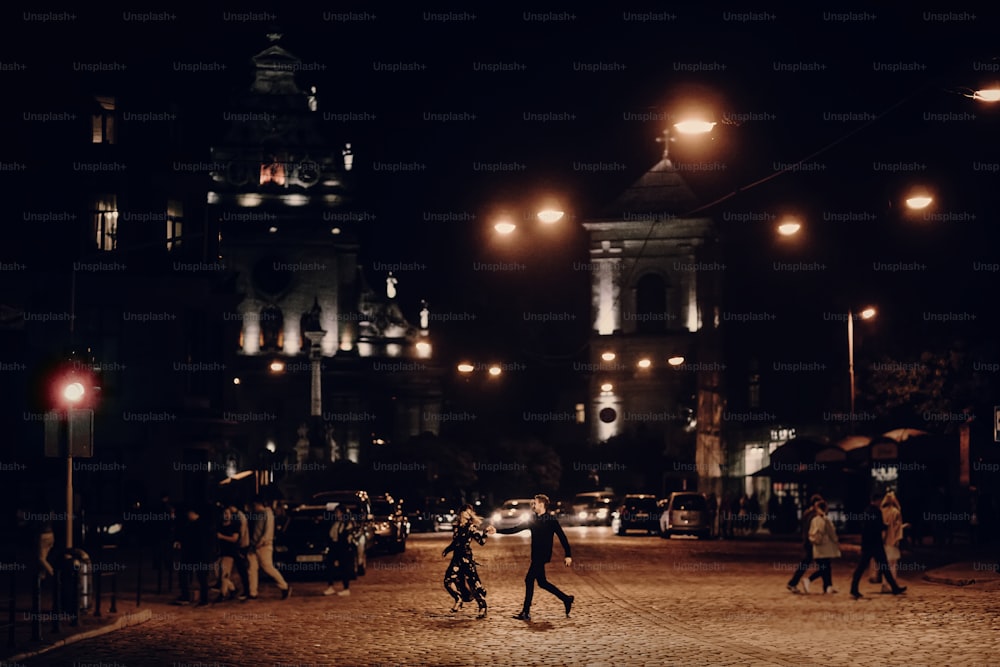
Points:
(789, 227)
(691, 126)
(866, 314)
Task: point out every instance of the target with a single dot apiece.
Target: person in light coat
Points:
(823, 535)
(892, 517)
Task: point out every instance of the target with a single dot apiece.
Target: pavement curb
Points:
(126, 620)
(957, 581)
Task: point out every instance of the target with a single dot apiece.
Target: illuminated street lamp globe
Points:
(919, 202)
(675, 360)
(694, 126)
(550, 215)
(789, 227)
(73, 392)
(505, 227)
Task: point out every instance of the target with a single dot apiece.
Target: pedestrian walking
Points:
(242, 562)
(892, 517)
(461, 579)
(228, 535)
(807, 548)
(543, 527)
(261, 554)
(872, 547)
(826, 547)
(45, 540)
(195, 547)
(342, 554)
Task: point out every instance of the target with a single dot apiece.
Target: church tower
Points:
(309, 334)
(655, 353)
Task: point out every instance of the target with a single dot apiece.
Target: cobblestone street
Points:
(639, 601)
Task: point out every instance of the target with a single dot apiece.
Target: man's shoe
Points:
(899, 591)
(252, 597)
(792, 589)
(830, 590)
(856, 595)
(181, 602)
(242, 597)
(568, 604)
(804, 582)
(285, 593)
(523, 616)
(329, 591)
(346, 591)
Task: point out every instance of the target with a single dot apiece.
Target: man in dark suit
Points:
(543, 527)
(873, 547)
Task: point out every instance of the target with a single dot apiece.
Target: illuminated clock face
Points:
(272, 275)
(308, 172)
(238, 173)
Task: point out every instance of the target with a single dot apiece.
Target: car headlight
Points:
(582, 514)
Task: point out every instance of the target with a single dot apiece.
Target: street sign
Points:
(53, 431)
(75, 429)
(81, 433)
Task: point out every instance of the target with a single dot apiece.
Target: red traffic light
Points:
(74, 392)
(73, 385)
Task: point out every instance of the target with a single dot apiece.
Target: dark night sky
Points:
(898, 69)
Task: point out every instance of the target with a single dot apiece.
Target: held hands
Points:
(568, 561)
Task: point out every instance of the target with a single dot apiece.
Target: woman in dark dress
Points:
(461, 579)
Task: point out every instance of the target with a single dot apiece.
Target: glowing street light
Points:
(465, 367)
(550, 215)
(645, 363)
(277, 366)
(505, 227)
(608, 356)
(789, 227)
(987, 95)
(73, 392)
(494, 370)
(919, 202)
(694, 126)
(607, 387)
(675, 360)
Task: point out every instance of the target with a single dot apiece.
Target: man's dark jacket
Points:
(542, 529)
(871, 527)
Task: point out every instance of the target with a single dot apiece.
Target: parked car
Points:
(686, 513)
(357, 505)
(391, 525)
(511, 513)
(638, 511)
(594, 508)
(302, 545)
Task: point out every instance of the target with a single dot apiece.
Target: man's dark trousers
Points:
(867, 554)
(536, 572)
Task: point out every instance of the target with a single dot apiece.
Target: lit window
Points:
(105, 221)
(103, 122)
(175, 223)
(581, 413)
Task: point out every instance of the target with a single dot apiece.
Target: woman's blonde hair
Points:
(890, 500)
(474, 519)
